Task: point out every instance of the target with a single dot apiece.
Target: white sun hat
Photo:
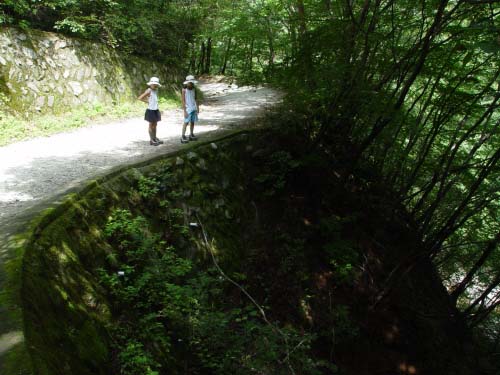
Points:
(154, 81)
(190, 79)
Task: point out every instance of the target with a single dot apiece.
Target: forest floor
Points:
(36, 174)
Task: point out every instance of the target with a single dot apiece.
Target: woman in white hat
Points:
(191, 108)
(152, 115)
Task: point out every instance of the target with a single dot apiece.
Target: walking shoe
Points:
(154, 143)
(193, 137)
(158, 141)
(184, 139)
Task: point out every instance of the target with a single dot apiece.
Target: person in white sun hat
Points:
(153, 114)
(191, 108)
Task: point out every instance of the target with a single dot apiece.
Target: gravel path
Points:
(36, 174)
(37, 170)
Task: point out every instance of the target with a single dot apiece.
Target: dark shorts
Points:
(152, 115)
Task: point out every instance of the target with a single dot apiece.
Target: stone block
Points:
(32, 86)
(29, 53)
(76, 88)
(40, 101)
(51, 62)
(60, 44)
(80, 74)
(50, 101)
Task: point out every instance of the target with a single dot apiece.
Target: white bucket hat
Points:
(154, 81)
(190, 79)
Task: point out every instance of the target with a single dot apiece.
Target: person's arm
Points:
(144, 96)
(183, 96)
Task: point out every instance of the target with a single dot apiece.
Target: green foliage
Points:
(407, 90)
(341, 253)
(169, 316)
(148, 187)
(275, 172)
(157, 29)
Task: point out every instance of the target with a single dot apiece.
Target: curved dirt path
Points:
(36, 170)
(35, 174)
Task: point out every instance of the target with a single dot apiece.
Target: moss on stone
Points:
(65, 309)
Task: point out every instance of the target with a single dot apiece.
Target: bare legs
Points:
(154, 141)
(184, 126)
(152, 131)
(191, 128)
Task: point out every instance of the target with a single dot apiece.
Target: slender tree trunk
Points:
(270, 61)
(208, 58)
(301, 15)
(250, 57)
(483, 295)
(446, 229)
(460, 288)
(192, 62)
(328, 5)
(201, 63)
(417, 68)
(226, 56)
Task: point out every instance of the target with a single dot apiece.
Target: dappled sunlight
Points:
(36, 170)
(392, 334)
(13, 196)
(407, 369)
(9, 340)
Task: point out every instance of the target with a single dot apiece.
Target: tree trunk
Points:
(208, 58)
(201, 63)
(226, 57)
(301, 15)
(192, 61)
(460, 288)
(250, 57)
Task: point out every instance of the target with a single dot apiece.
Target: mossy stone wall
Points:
(65, 309)
(47, 72)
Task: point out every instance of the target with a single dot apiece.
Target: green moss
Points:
(17, 361)
(90, 345)
(63, 303)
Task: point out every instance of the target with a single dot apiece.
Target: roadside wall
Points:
(47, 72)
(55, 301)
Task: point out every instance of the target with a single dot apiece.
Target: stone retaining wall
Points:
(65, 310)
(48, 72)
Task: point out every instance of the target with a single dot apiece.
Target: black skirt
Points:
(152, 115)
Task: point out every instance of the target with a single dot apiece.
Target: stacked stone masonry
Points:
(47, 72)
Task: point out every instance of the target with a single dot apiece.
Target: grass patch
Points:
(15, 128)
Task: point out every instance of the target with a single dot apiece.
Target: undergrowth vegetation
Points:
(182, 316)
(233, 259)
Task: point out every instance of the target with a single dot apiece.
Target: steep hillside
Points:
(241, 255)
